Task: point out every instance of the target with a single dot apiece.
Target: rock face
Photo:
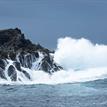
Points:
(18, 53)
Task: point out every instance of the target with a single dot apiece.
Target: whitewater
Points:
(81, 60)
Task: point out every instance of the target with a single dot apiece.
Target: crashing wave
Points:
(23, 62)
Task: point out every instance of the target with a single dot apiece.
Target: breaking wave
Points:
(81, 61)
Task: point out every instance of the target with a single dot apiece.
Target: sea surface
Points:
(87, 94)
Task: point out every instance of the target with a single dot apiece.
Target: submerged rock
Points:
(22, 53)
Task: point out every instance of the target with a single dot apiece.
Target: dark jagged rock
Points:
(2, 68)
(2, 64)
(23, 53)
(36, 54)
(26, 74)
(12, 73)
(17, 65)
(2, 75)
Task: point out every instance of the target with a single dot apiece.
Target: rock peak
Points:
(23, 53)
(14, 40)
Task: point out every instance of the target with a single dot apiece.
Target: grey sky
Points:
(44, 21)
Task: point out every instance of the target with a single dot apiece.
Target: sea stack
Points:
(17, 53)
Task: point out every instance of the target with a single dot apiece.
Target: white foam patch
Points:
(61, 77)
(71, 76)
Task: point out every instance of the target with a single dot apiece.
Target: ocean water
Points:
(81, 83)
(85, 94)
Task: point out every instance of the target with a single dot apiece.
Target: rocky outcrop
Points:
(17, 53)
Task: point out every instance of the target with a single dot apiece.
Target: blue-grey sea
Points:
(87, 94)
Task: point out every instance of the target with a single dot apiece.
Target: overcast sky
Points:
(44, 21)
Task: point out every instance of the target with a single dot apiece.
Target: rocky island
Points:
(17, 53)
